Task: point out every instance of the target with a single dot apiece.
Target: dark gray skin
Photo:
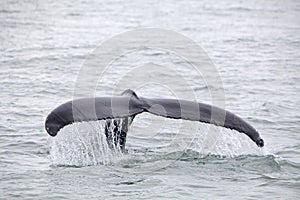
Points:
(116, 129)
(129, 105)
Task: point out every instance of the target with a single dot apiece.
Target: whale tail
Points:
(119, 113)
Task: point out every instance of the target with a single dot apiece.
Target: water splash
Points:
(82, 144)
(224, 142)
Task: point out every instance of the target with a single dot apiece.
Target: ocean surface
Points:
(254, 46)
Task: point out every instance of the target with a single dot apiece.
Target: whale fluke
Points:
(127, 106)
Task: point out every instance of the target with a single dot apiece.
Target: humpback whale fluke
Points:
(121, 111)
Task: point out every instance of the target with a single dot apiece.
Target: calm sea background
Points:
(255, 46)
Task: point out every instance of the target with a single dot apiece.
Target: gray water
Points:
(255, 47)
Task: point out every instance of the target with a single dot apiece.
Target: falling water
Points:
(84, 144)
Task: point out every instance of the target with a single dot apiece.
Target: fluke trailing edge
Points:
(121, 111)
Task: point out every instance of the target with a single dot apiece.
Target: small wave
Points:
(9, 11)
(238, 8)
